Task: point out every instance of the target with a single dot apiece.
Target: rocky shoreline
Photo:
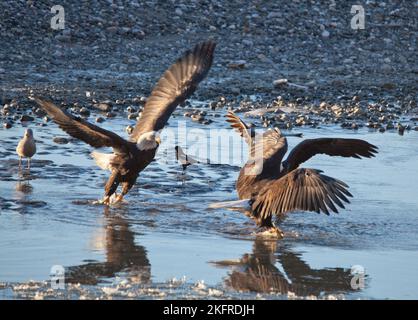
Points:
(297, 62)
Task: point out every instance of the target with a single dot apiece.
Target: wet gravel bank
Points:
(117, 49)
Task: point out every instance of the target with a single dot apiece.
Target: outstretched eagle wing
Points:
(176, 85)
(266, 149)
(81, 129)
(305, 150)
(301, 189)
(241, 127)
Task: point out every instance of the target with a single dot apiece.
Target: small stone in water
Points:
(280, 82)
(325, 34)
(129, 129)
(7, 125)
(130, 109)
(60, 140)
(197, 117)
(104, 106)
(84, 112)
(132, 116)
(239, 64)
(26, 118)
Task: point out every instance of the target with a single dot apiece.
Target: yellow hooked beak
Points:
(158, 140)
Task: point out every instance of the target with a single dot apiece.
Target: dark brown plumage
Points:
(275, 187)
(129, 158)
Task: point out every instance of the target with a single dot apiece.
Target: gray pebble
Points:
(7, 125)
(26, 118)
(60, 140)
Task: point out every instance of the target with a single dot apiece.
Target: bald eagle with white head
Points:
(268, 185)
(131, 156)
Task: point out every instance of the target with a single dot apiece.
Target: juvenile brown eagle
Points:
(269, 186)
(131, 156)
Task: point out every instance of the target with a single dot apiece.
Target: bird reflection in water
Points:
(122, 255)
(24, 187)
(258, 272)
(24, 177)
(23, 184)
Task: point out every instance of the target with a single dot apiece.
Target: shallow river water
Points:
(164, 242)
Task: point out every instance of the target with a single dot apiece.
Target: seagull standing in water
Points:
(26, 147)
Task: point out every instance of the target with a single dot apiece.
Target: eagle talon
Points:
(105, 201)
(118, 198)
(271, 232)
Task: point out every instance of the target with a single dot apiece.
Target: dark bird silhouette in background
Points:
(184, 159)
(269, 186)
(131, 156)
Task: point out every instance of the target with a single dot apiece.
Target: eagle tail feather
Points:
(103, 160)
(244, 204)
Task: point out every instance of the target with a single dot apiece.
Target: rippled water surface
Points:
(164, 242)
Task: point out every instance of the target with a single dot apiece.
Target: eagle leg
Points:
(269, 229)
(126, 186)
(119, 198)
(105, 200)
(111, 187)
(277, 232)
